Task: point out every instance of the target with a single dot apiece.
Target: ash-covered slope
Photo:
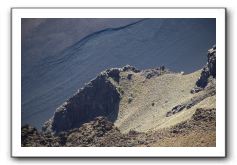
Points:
(175, 43)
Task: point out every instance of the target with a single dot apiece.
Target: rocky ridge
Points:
(100, 97)
(102, 133)
(208, 72)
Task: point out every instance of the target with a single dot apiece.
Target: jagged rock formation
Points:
(99, 132)
(149, 73)
(102, 133)
(130, 68)
(209, 71)
(98, 98)
(31, 137)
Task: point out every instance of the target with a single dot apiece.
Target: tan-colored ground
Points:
(145, 102)
(193, 139)
(198, 131)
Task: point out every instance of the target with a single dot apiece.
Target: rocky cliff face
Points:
(209, 71)
(98, 98)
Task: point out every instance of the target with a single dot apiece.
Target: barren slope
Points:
(145, 102)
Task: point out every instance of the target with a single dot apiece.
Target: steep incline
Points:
(151, 99)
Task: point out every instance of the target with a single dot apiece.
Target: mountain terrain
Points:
(61, 55)
(126, 107)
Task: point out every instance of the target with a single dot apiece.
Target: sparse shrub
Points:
(152, 104)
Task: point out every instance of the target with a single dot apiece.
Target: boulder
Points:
(114, 73)
(150, 73)
(175, 110)
(130, 68)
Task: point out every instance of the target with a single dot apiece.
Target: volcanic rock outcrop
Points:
(209, 71)
(149, 73)
(98, 98)
(31, 137)
(100, 133)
